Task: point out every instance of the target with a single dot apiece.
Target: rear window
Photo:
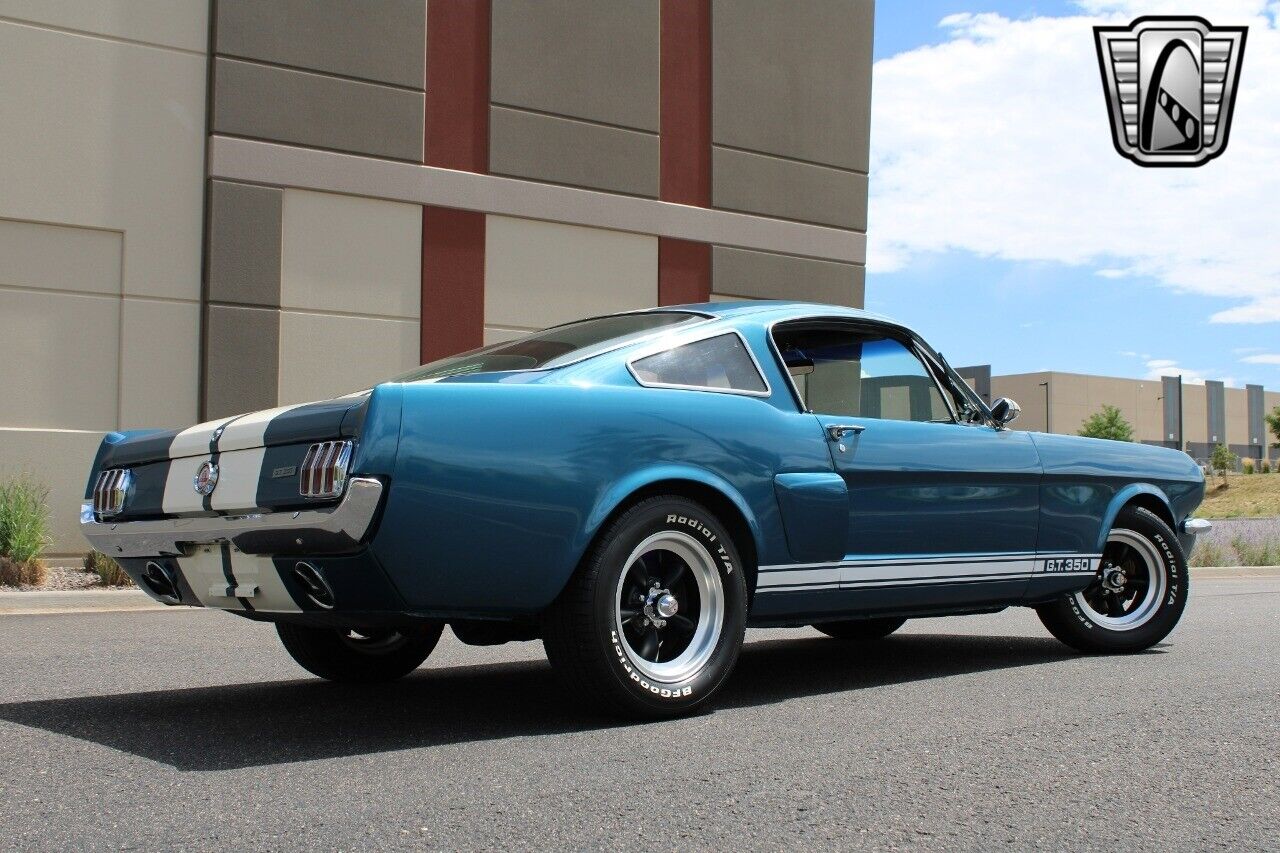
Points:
(552, 347)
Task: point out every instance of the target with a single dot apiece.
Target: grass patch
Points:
(107, 569)
(1247, 496)
(1209, 553)
(1256, 553)
(24, 531)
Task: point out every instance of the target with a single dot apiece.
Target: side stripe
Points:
(913, 571)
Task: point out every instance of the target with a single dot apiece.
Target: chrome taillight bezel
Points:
(111, 491)
(324, 470)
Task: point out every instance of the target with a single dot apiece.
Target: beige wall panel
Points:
(1025, 390)
(538, 274)
(326, 355)
(58, 257)
(1237, 411)
(725, 297)
(103, 134)
(159, 364)
(179, 24)
(60, 353)
(60, 460)
(351, 255)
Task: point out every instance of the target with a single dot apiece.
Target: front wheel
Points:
(652, 623)
(1137, 597)
(359, 655)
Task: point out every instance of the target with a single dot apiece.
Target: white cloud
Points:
(1157, 367)
(997, 142)
(1263, 358)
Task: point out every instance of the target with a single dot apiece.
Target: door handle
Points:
(837, 432)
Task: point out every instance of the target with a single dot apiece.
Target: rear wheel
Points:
(1138, 595)
(359, 654)
(652, 623)
(860, 629)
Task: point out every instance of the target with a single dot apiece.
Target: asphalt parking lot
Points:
(164, 730)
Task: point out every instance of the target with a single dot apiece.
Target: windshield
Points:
(551, 347)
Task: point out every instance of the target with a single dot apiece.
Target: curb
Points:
(77, 601)
(133, 600)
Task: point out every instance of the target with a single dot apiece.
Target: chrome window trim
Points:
(685, 340)
(700, 318)
(914, 348)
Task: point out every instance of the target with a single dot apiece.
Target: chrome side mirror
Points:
(1004, 411)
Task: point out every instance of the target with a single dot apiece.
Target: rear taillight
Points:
(111, 491)
(324, 469)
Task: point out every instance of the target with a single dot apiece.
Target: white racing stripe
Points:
(180, 495)
(204, 573)
(247, 431)
(273, 596)
(238, 475)
(194, 440)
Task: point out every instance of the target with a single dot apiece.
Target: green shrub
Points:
(1246, 467)
(24, 519)
(1208, 553)
(1223, 460)
(1107, 422)
(1265, 467)
(1257, 553)
(107, 569)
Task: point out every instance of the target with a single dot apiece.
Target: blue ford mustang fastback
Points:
(638, 489)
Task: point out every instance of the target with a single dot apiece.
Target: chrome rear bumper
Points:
(311, 531)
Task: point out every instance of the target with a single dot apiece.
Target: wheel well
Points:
(1159, 508)
(714, 500)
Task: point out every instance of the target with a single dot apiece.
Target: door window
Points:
(861, 374)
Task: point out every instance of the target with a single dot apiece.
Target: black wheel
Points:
(359, 655)
(861, 629)
(652, 622)
(1138, 595)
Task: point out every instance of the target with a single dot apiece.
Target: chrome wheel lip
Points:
(710, 615)
(1157, 583)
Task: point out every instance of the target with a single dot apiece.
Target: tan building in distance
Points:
(1162, 411)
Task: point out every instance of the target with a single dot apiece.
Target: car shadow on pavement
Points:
(263, 723)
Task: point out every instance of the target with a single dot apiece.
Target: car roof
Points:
(770, 310)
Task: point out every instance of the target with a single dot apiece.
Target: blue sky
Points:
(998, 226)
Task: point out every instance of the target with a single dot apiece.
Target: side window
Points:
(721, 363)
(860, 374)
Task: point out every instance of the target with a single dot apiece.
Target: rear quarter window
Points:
(720, 363)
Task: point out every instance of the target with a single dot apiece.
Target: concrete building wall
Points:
(383, 184)
(575, 93)
(102, 126)
(790, 112)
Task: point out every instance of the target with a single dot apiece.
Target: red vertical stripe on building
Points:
(684, 268)
(457, 137)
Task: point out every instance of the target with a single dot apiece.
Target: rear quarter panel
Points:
(498, 488)
(1087, 482)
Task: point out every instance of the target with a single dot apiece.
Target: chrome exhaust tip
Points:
(161, 582)
(314, 585)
